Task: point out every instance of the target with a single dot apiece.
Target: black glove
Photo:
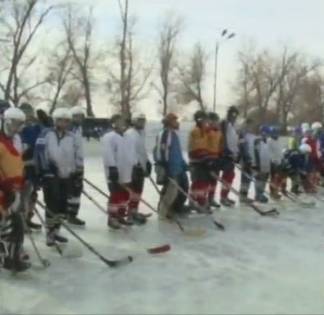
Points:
(113, 174)
(137, 173)
(148, 169)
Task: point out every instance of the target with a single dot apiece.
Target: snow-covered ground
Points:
(258, 265)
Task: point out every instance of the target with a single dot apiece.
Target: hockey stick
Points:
(101, 208)
(45, 263)
(186, 231)
(272, 211)
(289, 195)
(106, 195)
(153, 250)
(57, 246)
(108, 262)
(216, 223)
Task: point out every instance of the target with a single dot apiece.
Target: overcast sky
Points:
(270, 23)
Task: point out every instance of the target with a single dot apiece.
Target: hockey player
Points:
(171, 165)
(277, 178)
(29, 135)
(78, 115)
(215, 154)
(11, 185)
(247, 157)
(55, 155)
(231, 152)
(142, 167)
(311, 180)
(118, 164)
(198, 155)
(263, 164)
(318, 134)
(295, 164)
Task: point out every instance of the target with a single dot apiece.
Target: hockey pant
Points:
(278, 181)
(200, 182)
(246, 176)
(260, 184)
(136, 187)
(28, 200)
(228, 176)
(11, 236)
(118, 204)
(172, 200)
(55, 196)
(74, 194)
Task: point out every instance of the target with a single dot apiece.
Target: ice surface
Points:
(258, 265)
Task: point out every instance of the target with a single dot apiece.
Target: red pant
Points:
(199, 192)
(228, 177)
(118, 205)
(212, 189)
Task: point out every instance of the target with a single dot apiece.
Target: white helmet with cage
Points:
(61, 113)
(13, 120)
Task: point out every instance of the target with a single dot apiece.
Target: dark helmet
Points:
(199, 116)
(27, 108)
(265, 130)
(233, 110)
(3, 106)
(213, 116)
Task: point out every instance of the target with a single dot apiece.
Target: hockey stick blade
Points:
(219, 225)
(159, 249)
(272, 212)
(117, 263)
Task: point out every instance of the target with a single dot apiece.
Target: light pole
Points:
(223, 37)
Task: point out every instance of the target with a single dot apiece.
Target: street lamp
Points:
(224, 36)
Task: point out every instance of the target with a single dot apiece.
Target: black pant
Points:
(74, 194)
(246, 176)
(12, 234)
(56, 192)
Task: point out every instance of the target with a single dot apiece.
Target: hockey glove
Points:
(148, 170)
(113, 174)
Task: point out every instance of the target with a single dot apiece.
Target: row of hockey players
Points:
(47, 152)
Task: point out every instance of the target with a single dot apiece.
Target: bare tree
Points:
(290, 87)
(79, 32)
(20, 22)
(168, 39)
(60, 66)
(128, 86)
(193, 75)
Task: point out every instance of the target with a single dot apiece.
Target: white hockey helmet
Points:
(316, 125)
(62, 113)
(13, 120)
(305, 127)
(14, 113)
(77, 110)
(305, 148)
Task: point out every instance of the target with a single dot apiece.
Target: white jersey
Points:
(136, 139)
(275, 149)
(79, 152)
(232, 139)
(263, 151)
(118, 151)
(250, 139)
(17, 142)
(61, 151)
